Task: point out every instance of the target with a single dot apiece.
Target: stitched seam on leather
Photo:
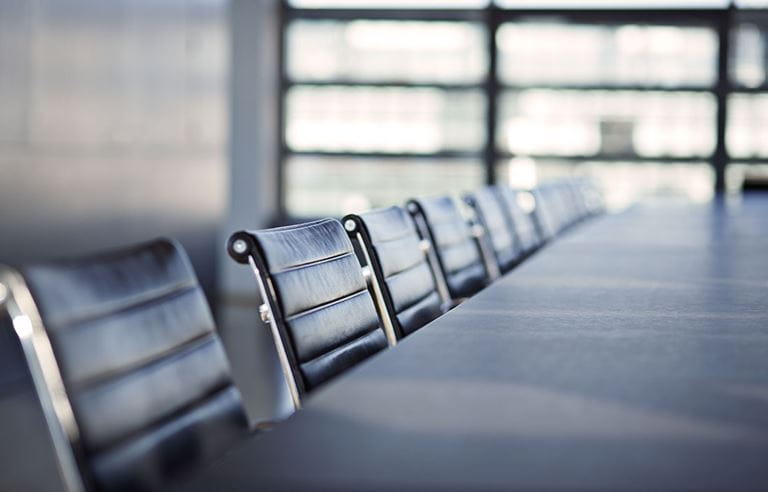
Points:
(175, 414)
(187, 347)
(330, 303)
(463, 268)
(300, 266)
(389, 240)
(129, 303)
(420, 262)
(306, 225)
(339, 348)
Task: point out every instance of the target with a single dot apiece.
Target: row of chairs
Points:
(129, 370)
(337, 292)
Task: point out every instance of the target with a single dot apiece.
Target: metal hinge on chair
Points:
(265, 314)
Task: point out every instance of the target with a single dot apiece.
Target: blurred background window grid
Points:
(386, 51)
(556, 53)
(609, 98)
(386, 120)
(608, 123)
(333, 186)
(391, 4)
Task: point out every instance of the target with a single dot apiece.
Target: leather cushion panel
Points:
(71, 292)
(409, 283)
(179, 444)
(325, 367)
(291, 246)
(388, 224)
(445, 220)
(467, 282)
(457, 257)
(399, 254)
(313, 285)
(525, 229)
(556, 215)
(410, 286)
(543, 215)
(111, 410)
(420, 313)
(456, 248)
(451, 233)
(326, 328)
(115, 346)
(506, 259)
(494, 220)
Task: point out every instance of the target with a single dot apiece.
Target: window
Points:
(383, 101)
(378, 111)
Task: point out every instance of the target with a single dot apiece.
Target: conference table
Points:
(631, 353)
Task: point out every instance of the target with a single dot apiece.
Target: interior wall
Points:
(124, 120)
(113, 126)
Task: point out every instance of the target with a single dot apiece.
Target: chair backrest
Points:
(567, 204)
(144, 372)
(322, 315)
(440, 220)
(559, 210)
(524, 224)
(545, 213)
(578, 200)
(497, 224)
(399, 265)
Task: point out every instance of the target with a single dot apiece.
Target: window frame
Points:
(720, 20)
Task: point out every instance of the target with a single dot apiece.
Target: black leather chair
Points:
(323, 318)
(566, 204)
(526, 231)
(458, 254)
(404, 284)
(544, 213)
(497, 224)
(577, 199)
(136, 373)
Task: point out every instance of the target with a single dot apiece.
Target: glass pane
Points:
(617, 4)
(612, 123)
(555, 53)
(362, 50)
(738, 176)
(750, 50)
(390, 4)
(752, 4)
(375, 119)
(622, 182)
(323, 186)
(747, 125)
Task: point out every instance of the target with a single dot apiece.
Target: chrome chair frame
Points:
(17, 301)
(434, 263)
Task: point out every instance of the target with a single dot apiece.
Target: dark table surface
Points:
(632, 353)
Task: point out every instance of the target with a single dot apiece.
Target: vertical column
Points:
(722, 89)
(490, 155)
(252, 199)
